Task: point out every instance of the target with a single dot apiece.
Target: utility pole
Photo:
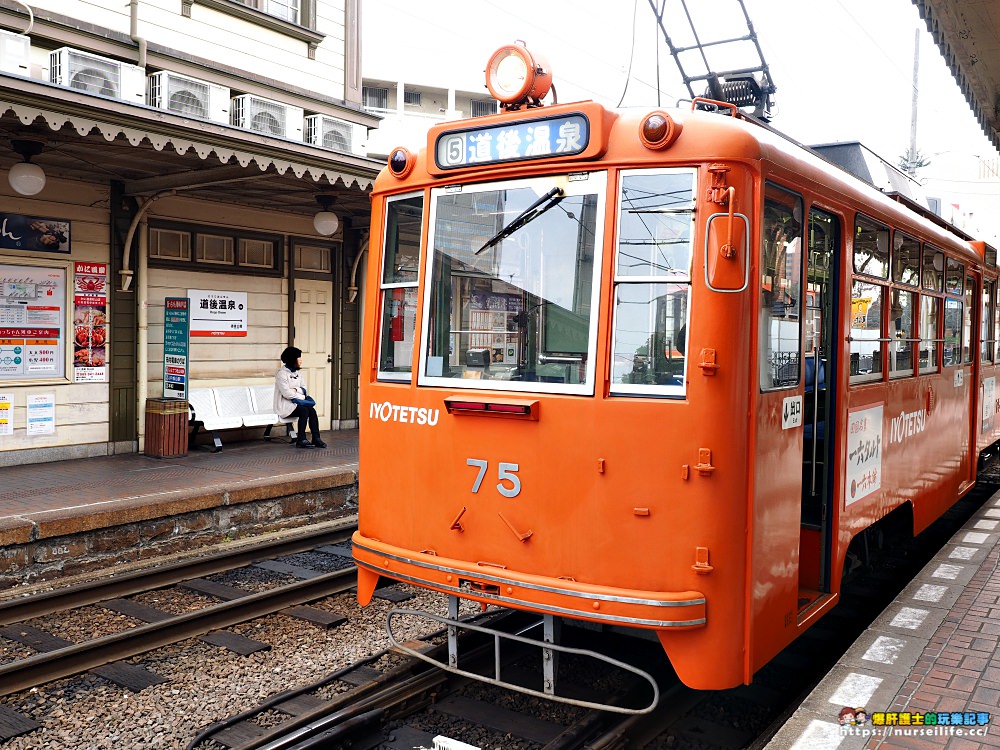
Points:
(911, 156)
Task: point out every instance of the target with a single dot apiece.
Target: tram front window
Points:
(512, 295)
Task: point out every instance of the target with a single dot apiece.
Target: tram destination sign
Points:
(541, 138)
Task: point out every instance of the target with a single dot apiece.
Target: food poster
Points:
(90, 323)
(18, 232)
(32, 322)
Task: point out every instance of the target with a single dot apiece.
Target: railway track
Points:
(390, 701)
(394, 702)
(33, 622)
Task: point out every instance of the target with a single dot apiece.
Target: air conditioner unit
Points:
(329, 132)
(76, 69)
(265, 116)
(15, 53)
(186, 96)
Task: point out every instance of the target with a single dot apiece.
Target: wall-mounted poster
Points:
(18, 232)
(218, 313)
(41, 409)
(90, 323)
(32, 322)
(6, 413)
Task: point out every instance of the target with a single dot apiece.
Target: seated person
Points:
(292, 400)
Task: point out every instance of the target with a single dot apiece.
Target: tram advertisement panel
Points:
(864, 453)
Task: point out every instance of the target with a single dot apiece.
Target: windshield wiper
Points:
(532, 212)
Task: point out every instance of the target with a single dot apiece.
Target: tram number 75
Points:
(505, 473)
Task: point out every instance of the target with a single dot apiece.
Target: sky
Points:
(843, 68)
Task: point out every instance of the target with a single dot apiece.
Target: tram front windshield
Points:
(512, 298)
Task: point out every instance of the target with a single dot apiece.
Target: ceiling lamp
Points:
(325, 222)
(26, 178)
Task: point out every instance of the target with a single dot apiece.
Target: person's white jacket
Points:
(287, 385)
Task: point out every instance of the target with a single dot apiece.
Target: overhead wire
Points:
(631, 54)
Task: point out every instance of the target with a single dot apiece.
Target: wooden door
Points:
(314, 319)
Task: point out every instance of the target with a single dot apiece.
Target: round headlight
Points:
(515, 76)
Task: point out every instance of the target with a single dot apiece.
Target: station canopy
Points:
(968, 35)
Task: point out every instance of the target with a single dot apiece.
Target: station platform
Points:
(926, 673)
(66, 517)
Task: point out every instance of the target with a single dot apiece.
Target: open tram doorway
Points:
(819, 411)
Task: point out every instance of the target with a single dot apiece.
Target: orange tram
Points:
(659, 370)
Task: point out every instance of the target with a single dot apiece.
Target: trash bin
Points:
(166, 427)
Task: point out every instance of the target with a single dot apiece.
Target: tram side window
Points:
(996, 325)
(871, 248)
(653, 282)
(868, 344)
(400, 258)
(930, 344)
(932, 278)
(986, 322)
(780, 315)
(952, 332)
(970, 306)
(954, 274)
(905, 259)
(901, 330)
(866, 329)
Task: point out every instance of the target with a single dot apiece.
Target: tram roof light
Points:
(515, 77)
(658, 130)
(401, 162)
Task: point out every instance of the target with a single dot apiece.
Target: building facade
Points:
(410, 108)
(174, 149)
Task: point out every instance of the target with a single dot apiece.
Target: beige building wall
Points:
(82, 409)
(214, 40)
(225, 39)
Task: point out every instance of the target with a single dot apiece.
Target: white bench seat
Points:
(262, 400)
(233, 407)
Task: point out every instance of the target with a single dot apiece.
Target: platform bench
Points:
(233, 407)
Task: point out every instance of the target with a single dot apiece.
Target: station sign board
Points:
(176, 330)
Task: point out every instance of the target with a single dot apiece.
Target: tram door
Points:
(822, 242)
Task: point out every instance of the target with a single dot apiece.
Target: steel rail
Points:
(403, 690)
(63, 662)
(374, 692)
(147, 579)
